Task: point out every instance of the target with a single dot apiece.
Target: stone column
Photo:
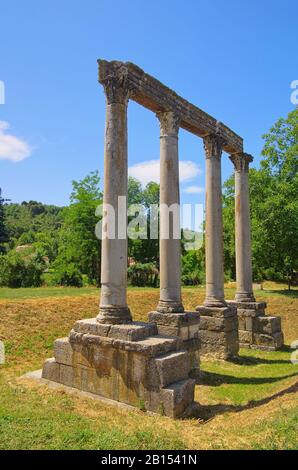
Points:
(219, 324)
(113, 307)
(242, 228)
(169, 245)
(256, 330)
(170, 317)
(214, 226)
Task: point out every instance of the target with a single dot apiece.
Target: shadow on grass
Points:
(285, 292)
(253, 361)
(208, 412)
(214, 380)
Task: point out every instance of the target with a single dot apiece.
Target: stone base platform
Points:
(218, 332)
(128, 363)
(184, 326)
(257, 330)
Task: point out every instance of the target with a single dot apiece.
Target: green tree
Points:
(144, 250)
(193, 267)
(278, 209)
(22, 269)
(3, 229)
(274, 206)
(78, 244)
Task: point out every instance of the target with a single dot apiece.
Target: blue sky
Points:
(233, 59)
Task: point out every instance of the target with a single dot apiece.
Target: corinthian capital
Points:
(241, 161)
(117, 89)
(169, 123)
(213, 144)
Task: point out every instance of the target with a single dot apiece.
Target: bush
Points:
(142, 275)
(193, 272)
(68, 275)
(193, 278)
(21, 269)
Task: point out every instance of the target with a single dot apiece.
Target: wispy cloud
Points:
(12, 148)
(194, 190)
(149, 171)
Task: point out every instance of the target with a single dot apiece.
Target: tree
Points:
(274, 206)
(26, 220)
(22, 269)
(78, 244)
(144, 250)
(4, 238)
(279, 214)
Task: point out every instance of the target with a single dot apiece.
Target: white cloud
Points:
(11, 147)
(149, 171)
(194, 190)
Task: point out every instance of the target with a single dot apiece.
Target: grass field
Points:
(251, 403)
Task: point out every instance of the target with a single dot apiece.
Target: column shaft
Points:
(214, 225)
(170, 250)
(242, 229)
(113, 305)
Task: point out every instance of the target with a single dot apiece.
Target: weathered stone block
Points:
(248, 312)
(268, 342)
(245, 337)
(66, 375)
(221, 312)
(225, 324)
(174, 319)
(177, 397)
(92, 326)
(184, 326)
(193, 332)
(135, 331)
(132, 371)
(256, 330)
(63, 351)
(268, 325)
(172, 367)
(51, 370)
(255, 306)
(219, 345)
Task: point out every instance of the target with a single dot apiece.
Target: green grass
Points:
(252, 378)
(39, 292)
(283, 433)
(6, 293)
(249, 403)
(30, 421)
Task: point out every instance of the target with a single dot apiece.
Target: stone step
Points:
(134, 331)
(177, 397)
(172, 367)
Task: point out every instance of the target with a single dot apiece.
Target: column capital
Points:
(169, 123)
(241, 161)
(117, 89)
(213, 144)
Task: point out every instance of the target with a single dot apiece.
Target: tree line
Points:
(46, 244)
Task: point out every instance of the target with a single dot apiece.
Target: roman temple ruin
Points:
(154, 365)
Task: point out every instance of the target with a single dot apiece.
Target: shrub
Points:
(193, 272)
(142, 275)
(21, 269)
(68, 275)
